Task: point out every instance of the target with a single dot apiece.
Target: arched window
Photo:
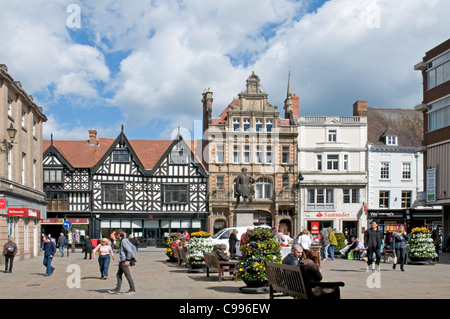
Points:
(263, 188)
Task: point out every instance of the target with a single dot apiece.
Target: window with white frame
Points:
(319, 162)
(351, 196)
(236, 153)
(269, 125)
(259, 154)
(345, 162)
(320, 199)
(269, 158)
(285, 155)
(332, 162)
(406, 199)
(385, 170)
(259, 125)
(263, 189)
(24, 163)
(383, 199)
(246, 125)
(236, 125)
(406, 170)
(9, 107)
(247, 154)
(391, 139)
(220, 154)
(332, 135)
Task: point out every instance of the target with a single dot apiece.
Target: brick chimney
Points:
(92, 137)
(360, 108)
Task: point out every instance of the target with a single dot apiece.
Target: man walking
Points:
(49, 252)
(127, 252)
(373, 238)
(62, 242)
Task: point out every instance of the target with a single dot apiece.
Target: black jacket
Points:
(373, 238)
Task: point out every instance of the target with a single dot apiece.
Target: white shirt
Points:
(305, 241)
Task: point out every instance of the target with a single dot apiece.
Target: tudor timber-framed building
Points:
(149, 188)
(250, 133)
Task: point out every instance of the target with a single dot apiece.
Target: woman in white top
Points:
(305, 240)
(105, 253)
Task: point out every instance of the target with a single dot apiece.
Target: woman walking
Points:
(399, 240)
(104, 257)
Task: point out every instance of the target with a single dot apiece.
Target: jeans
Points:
(401, 256)
(61, 250)
(103, 262)
(124, 270)
(331, 249)
(325, 251)
(48, 263)
(10, 258)
(370, 252)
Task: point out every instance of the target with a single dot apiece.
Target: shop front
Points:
(152, 229)
(347, 223)
(390, 220)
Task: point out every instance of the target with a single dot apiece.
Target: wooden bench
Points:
(388, 252)
(287, 280)
(212, 262)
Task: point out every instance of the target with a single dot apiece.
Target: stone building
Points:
(22, 200)
(251, 133)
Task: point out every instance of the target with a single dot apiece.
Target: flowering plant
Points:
(260, 244)
(421, 244)
(201, 234)
(169, 241)
(195, 249)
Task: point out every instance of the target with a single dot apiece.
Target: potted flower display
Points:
(169, 241)
(260, 245)
(421, 245)
(199, 242)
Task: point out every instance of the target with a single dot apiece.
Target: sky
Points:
(145, 64)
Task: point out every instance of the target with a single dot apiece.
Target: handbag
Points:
(351, 256)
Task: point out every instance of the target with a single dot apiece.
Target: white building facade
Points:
(332, 161)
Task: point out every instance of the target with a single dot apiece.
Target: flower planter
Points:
(421, 261)
(255, 283)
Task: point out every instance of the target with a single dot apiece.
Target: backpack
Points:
(11, 249)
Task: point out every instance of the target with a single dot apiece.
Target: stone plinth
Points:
(243, 216)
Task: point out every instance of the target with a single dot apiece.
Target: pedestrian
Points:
(105, 253)
(232, 241)
(333, 242)
(305, 240)
(49, 253)
(295, 256)
(310, 266)
(325, 243)
(373, 238)
(87, 247)
(62, 243)
(127, 252)
(399, 240)
(9, 251)
(437, 242)
(133, 241)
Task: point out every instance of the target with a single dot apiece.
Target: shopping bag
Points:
(351, 256)
(344, 250)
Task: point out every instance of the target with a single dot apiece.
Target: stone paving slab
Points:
(155, 278)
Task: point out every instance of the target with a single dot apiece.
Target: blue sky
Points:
(145, 64)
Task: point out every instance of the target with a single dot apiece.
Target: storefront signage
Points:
(57, 221)
(32, 213)
(315, 227)
(431, 185)
(2, 203)
(16, 211)
(332, 215)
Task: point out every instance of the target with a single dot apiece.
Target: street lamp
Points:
(11, 133)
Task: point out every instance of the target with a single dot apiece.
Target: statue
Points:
(244, 187)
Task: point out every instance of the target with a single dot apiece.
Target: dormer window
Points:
(391, 140)
(179, 155)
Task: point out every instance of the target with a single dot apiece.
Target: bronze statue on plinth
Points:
(244, 187)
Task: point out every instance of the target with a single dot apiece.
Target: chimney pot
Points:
(92, 137)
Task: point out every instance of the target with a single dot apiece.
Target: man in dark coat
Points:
(295, 256)
(373, 238)
(232, 241)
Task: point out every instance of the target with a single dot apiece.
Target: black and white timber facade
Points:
(149, 188)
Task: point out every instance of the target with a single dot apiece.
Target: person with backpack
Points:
(9, 251)
(127, 251)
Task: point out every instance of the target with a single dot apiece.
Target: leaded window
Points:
(113, 193)
(175, 194)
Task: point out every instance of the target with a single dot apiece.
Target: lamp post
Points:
(7, 145)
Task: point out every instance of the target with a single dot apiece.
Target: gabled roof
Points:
(407, 124)
(81, 154)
